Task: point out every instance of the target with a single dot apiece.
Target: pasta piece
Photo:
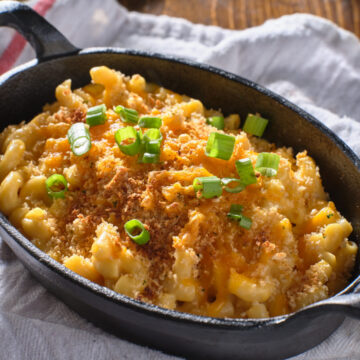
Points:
(232, 122)
(103, 252)
(83, 267)
(137, 84)
(67, 98)
(129, 285)
(167, 301)
(247, 289)
(36, 227)
(184, 270)
(17, 215)
(9, 192)
(258, 311)
(12, 158)
(35, 190)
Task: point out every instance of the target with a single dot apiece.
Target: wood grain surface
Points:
(241, 14)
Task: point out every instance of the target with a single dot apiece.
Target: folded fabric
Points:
(308, 60)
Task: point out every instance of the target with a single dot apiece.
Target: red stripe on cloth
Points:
(12, 53)
(43, 6)
(17, 43)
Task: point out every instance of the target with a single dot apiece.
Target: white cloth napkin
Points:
(304, 58)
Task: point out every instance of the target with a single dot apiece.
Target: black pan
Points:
(25, 89)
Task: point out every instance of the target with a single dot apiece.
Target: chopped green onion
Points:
(216, 121)
(56, 186)
(152, 135)
(220, 146)
(226, 181)
(236, 208)
(132, 227)
(128, 140)
(142, 145)
(79, 139)
(149, 158)
(236, 214)
(141, 137)
(267, 164)
(96, 115)
(153, 147)
(150, 122)
(152, 140)
(208, 187)
(245, 222)
(150, 146)
(246, 171)
(127, 115)
(255, 125)
(235, 211)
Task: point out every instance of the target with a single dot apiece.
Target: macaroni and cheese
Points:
(287, 246)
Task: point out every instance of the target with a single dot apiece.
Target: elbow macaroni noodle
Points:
(296, 252)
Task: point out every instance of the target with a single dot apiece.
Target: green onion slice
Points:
(150, 122)
(56, 186)
(127, 115)
(236, 214)
(149, 158)
(153, 147)
(96, 115)
(216, 121)
(255, 125)
(236, 208)
(246, 171)
(152, 135)
(79, 139)
(267, 164)
(128, 140)
(235, 211)
(226, 181)
(152, 140)
(207, 187)
(150, 146)
(141, 137)
(245, 222)
(142, 143)
(137, 232)
(220, 146)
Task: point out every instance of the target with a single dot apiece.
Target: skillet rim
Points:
(139, 306)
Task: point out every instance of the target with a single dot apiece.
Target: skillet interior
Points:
(23, 96)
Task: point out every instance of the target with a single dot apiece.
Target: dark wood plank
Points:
(241, 14)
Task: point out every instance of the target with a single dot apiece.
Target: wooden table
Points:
(241, 14)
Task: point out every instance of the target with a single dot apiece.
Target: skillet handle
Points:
(347, 304)
(47, 41)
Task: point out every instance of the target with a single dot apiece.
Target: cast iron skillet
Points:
(25, 89)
